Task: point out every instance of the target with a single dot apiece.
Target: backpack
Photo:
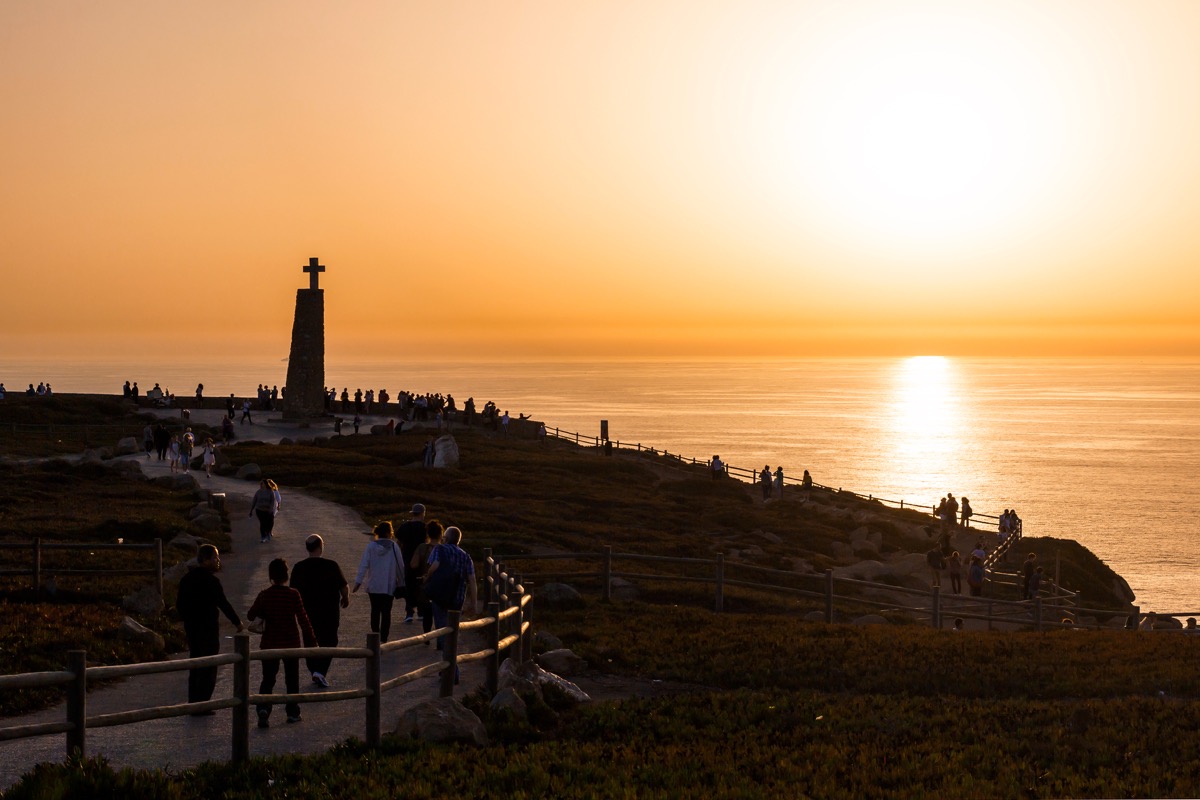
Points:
(442, 586)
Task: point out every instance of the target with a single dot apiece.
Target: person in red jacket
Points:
(282, 610)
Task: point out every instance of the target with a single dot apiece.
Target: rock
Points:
(379, 430)
(445, 455)
(869, 570)
(131, 631)
(909, 564)
(249, 472)
(869, 619)
(105, 452)
(508, 698)
(543, 641)
(129, 468)
(513, 674)
(1121, 590)
(865, 548)
(801, 566)
(145, 602)
(186, 541)
(199, 509)
(560, 596)
(773, 538)
(286, 441)
(561, 662)
(91, 456)
(814, 616)
(176, 481)
(875, 538)
(128, 446)
(753, 550)
(623, 591)
(209, 523)
(177, 571)
(841, 550)
(859, 534)
(444, 720)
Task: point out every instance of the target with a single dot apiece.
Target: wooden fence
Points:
(37, 549)
(1047, 610)
(505, 625)
(751, 476)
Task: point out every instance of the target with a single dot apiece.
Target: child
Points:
(281, 610)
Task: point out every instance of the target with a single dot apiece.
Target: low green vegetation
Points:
(756, 702)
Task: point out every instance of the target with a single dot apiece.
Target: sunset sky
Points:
(608, 178)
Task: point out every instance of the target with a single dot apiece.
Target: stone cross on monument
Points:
(314, 270)
(304, 393)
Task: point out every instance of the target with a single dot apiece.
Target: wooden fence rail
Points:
(1034, 613)
(507, 608)
(752, 476)
(37, 549)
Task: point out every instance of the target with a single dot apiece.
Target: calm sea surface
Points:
(1106, 452)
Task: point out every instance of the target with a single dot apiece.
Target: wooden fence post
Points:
(720, 605)
(241, 692)
(37, 568)
(607, 573)
(492, 610)
(77, 704)
(450, 655)
(936, 612)
(829, 596)
(374, 700)
(514, 598)
(525, 651)
(158, 565)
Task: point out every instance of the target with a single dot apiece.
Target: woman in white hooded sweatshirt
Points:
(380, 570)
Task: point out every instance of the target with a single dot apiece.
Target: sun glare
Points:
(934, 128)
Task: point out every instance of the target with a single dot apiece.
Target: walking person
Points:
(173, 453)
(419, 563)
(281, 610)
(411, 535)
(954, 565)
(1027, 572)
(325, 592)
(209, 457)
(200, 597)
(162, 441)
(450, 580)
(148, 440)
(266, 505)
(975, 575)
(186, 445)
(381, 568)
(764, 478)
(246, 413)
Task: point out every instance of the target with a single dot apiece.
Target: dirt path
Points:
(186, 741)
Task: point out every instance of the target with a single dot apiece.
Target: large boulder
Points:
(518, 675)
(443, 720)
(208, 523)
(249, 472)
(129, 468)
(128, 446)
(445, 452)
(559, 596)
(145, 601)
(199, 509)
(865, 548)
(860, 534)
(561, 662)
(131, 631)
(175, 481)
(508, 698)
(544, 640)
(773, 538)
(186, 541)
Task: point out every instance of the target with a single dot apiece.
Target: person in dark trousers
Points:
(450, 580)
(325, 592)
(411, 535)
(281, 610)
(1027, 570)
(419, 562)
(199, 599)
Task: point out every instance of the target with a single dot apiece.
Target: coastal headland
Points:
(758, 676)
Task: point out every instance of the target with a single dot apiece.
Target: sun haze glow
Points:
(604, 178)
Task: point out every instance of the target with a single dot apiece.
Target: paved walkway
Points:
(186, 741)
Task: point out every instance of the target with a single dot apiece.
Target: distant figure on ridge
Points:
(764, 478)
(717, 468)
(1027, 572)
(779, 482)
(966, 513)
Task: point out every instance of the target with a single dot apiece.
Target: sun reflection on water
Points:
(923, 429)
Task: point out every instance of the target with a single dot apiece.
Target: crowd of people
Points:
(420, 563)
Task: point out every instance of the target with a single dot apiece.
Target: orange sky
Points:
(602, 178)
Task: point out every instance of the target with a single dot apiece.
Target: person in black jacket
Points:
(200, 597)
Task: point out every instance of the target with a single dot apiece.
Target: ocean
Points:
(1102, 451)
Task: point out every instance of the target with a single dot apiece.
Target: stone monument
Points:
(304, 397)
